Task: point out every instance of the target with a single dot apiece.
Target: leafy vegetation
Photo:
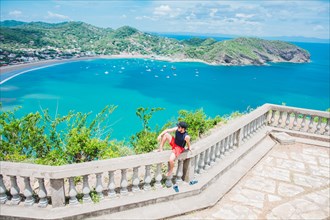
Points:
(198, 122)
(68, 139)
(75, 138)
(146, 139)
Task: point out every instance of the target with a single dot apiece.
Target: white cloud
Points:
(162, 10)
(241, 15)
(58, 16)
(15, 13)
(124, 16)
(145, 17)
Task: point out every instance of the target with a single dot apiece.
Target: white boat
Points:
(106, 72)
(148, 70)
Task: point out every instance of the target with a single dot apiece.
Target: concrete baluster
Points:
(158, 176)
(303, 123)
(226, 143)
(72, 192)
(235, 139)
(231, 142)
(201, 163)
(318, 126)
(3, 195)
(251, 130)
(311, 124)
(258, 123)
(272, 118)
(265, 119)
(179, 172)
(86, 190)
(295, 121)
(287, 120)
(327, 127)
(111, 185)
(207, 159)
(280, 120)
(43, 201)
(217, 151)
(14, 191)
(196, 164)
(222, 149)
(244, 133)
(239, 138)
(212, 155)
(28, 192)
(147, 178)
(254, 125)
(99, 186)
(248, 131)
(251, 124)
(123, 182)
(136, 180)
(261, 121)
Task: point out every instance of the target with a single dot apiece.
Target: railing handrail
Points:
(70, 170)
(312, 112)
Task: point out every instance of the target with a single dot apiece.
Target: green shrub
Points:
(198, 122)
(22, 136)
(37, 138)
(145, 140)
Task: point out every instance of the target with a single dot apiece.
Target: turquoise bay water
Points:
(90, 85)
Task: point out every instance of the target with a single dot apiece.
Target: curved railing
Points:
(118, 177)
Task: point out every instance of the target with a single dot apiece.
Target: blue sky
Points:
(307, 18)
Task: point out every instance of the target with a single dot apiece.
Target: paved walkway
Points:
(290, 182)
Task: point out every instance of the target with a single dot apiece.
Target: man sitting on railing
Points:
(178, 142)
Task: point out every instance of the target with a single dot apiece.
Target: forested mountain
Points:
(80, 37)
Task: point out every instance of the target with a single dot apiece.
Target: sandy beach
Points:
(11, 68)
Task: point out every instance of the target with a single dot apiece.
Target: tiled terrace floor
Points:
(290, 182)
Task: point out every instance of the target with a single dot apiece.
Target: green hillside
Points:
(80, 37)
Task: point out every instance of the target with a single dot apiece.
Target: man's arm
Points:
(166, 131)
(187, 139)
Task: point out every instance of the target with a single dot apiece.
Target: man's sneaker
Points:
(192, 182)
(176, 188)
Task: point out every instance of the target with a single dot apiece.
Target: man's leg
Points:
(166, 137)
(171, 162)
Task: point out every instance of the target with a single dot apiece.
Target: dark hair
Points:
(182, 124)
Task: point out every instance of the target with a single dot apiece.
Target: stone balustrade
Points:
(297, 119)
(40, 185)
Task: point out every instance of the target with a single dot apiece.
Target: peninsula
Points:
(23, 42)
